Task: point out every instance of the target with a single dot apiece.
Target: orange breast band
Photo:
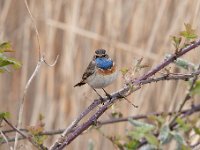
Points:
(106, 72)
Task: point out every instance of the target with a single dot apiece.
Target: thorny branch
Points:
(65, 140)
(194, 109)
(187, 97)
(25, 136)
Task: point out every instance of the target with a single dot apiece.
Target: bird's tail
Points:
(79, 84)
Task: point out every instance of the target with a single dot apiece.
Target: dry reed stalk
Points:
(124, 27)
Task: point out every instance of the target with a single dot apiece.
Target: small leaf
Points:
(183, 125)
(152, 139)
(132, 145)
(6, 47)
(124, 71)
(196, 88)
(138, 133)
(2, 140)
(90, 144)
(159, 119)
(4, 61)
(35, 130)
(116, 141)
(4, 115)
(116, 114)
(176, 42)
(140, 124)
(140, 129)
(189, 33)
(196, 130)
(39, 139)
(165, 136)
(179, 140)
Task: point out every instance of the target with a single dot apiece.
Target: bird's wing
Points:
(89, 71)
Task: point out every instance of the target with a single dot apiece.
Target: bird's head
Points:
(101, 53)
(102, 59)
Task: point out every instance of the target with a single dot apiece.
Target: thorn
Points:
(121, 96)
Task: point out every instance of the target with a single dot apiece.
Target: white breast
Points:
(98, 81)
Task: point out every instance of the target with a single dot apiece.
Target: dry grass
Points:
(129, 29)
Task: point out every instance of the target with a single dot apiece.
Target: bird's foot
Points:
(102, 100)
(107, 94)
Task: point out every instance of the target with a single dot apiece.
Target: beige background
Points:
(128, 29)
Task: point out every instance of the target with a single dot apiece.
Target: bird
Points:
(100, 72)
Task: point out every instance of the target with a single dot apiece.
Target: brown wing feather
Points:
(88, 72)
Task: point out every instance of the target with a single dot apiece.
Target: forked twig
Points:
(39, 63)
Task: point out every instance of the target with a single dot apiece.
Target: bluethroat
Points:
(100, 72)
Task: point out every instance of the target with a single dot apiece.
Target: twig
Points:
(21, 108)
(195, 146)
(53, 64)
(6, 140)
(186, 98)
(118, 120)
(39, 63)
(186, 112)
(168, 61)
(21, 105)
(25, 136)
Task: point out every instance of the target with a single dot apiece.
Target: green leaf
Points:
(196, 89)
(178, 137)
(165, 136)
(159, 119)
(183, 125)
(148, 147)
(189, 32)
(6, 47)
(116, 114)
(152, 139)
(2, 140)
(181, 144)
(4, 61)
(39, 139)
(176, 41)
(124, 71)
(196, 130)
(132, 145)
(90, 144)
(138, 133)
(140, 124)
(4, 115)
(140, 129)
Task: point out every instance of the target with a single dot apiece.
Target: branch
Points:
(25, 136)
(187, 97)
(63, 140)
(172, 126)
(118, 120)
(6, 140)
(186, 112)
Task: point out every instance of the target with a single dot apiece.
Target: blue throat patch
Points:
(103, 63)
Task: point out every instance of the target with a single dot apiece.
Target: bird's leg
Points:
(107, 94)
(99, 96)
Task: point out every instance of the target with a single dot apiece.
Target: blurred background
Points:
(127, 29)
